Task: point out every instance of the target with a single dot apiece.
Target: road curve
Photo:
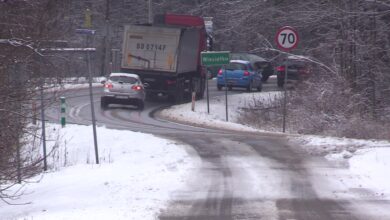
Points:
(243, 175)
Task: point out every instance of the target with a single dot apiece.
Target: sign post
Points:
(215, 58)
(90, 33)
(286, 39)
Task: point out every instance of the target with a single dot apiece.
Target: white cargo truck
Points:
(166, 55)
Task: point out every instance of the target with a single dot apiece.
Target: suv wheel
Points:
(260, 87)
(264, 78)
(280, 82)
(103, 103)
(249, 88)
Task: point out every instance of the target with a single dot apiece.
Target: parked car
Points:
(123, 88)
(239, 73)
(298, 68)
(266, 66)
(258, 62)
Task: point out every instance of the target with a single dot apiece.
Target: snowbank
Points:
(136, 174)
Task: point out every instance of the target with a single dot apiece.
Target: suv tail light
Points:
(108, 85)
(220, 71)
(246, 73)
(136, 87)
(281, 68)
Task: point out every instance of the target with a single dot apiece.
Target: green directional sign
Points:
(215, 58)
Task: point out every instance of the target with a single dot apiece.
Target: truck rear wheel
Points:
(178, 96)
(200, 94)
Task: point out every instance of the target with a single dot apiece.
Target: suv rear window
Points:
(123, 79)
(236, 66)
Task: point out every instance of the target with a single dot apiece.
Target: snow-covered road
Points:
(246, 176)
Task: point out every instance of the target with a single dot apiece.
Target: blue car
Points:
(239, 73)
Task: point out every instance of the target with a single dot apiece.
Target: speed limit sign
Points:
(287, 38)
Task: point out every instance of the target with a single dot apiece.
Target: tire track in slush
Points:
(247, 177)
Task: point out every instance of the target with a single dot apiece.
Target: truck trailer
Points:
(166, 56)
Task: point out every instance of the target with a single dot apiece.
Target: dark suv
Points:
(298, 68)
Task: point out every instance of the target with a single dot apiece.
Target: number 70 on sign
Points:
(287, 38)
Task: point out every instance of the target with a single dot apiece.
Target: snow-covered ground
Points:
(136, 174)
(368, 159)
(138, 171)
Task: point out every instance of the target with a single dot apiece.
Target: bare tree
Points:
(349, 41)
(24, 27)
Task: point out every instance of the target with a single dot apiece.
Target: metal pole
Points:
(19, 168)
(92, 103)
(43, 128)
(285, 98)
(226, 97)
(207, 92)
(43, 120)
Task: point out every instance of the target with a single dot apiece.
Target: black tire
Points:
(250, 87)
(178, 97)
(280, 82)
(103, 103)
(260, 87)
(230, 88)
(264, 78)
(141, 105)
(151, 96)
(200, 94)
(219, 87)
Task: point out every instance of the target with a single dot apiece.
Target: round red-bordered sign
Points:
(287, 38)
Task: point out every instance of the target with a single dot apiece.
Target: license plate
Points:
(121, 97)
(230, 81)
